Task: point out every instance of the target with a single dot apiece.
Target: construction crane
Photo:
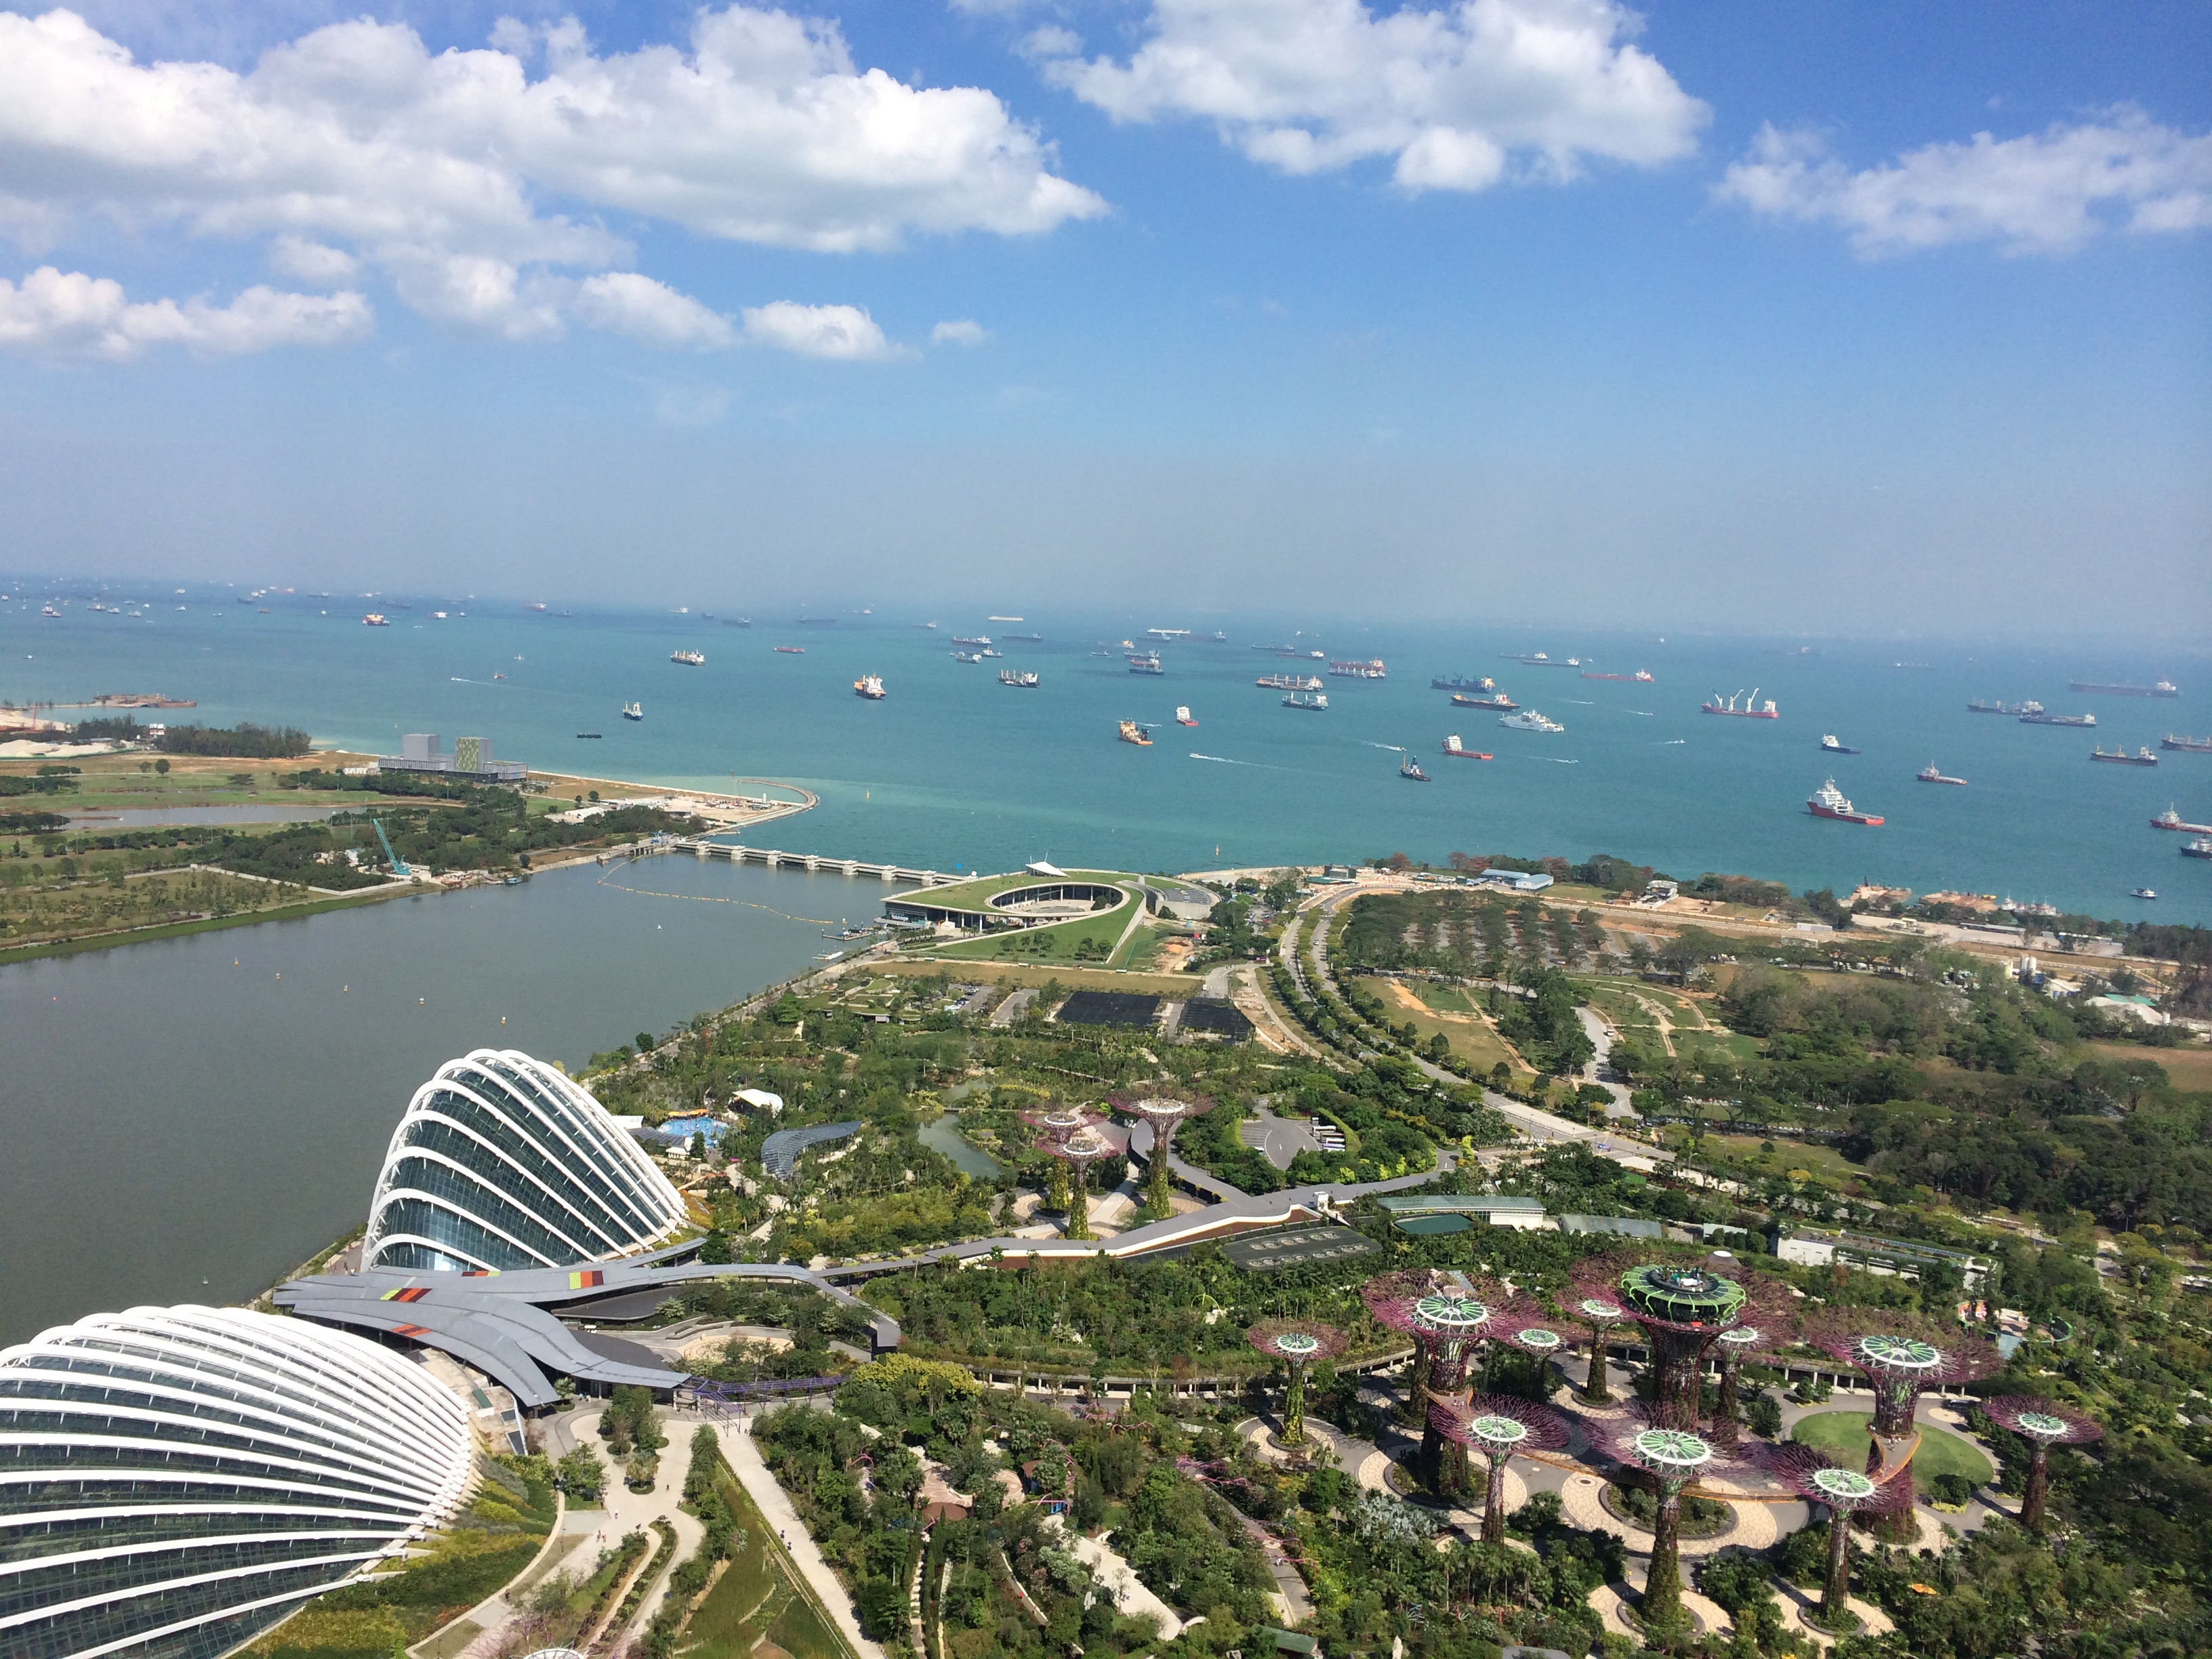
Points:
(398, 865)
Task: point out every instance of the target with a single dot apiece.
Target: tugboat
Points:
(1132, 733)
(1932, 774)
(1183, 715)
(1830, 802)
(870, 686)
(1314, 702)
(2142, 756)
(1410, 769)
(688, 658)
(2170, 819)
(1454, 746)
(1529, 720)
(1831, 743)
(633, 711)
(1461, 699)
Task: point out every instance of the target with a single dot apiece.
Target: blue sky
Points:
(1828, 317)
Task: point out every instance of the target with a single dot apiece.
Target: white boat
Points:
(633, 711)
(688, 658)
(1529, 720)
(1183, 715)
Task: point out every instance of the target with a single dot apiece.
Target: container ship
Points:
(2162, 689)
(1753, 709)
(1183, 715)
(1410, 769)
(1315, 702)
(1932, 773)
(1642, 676)
(1132, 733)
(1027, 679)
(2187, 745)
(1529, 720)
(1372, 669)
(1289, 682)
(870, 686)
(1830, 802)
(1831, 743)
(688, 658)
(1145, 662)
(2034, 714)
(2121, 757)
(1462, 683)
(1461, 699)
(1454, 747)
(2170, 819)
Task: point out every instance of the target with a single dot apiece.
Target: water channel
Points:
(185, 1119)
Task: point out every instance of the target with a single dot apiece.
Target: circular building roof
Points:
(175, 1480)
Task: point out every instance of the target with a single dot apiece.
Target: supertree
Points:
(2042, 1425)
(1673, 1458)
(1768, 1322)
(1450, 1323)
(1069, 1136)
(1597, 1314)
(1844, 1493)
(1390, 1299)
(1901, 1354)
(1681, 1309)
(1163, 1111)
(1297, 1343)
(1497, 1426)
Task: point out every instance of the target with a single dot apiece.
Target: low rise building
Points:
(471, 761)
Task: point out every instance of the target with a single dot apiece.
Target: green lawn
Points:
(1842, 1436)
(1104, 926)
(754, 1599)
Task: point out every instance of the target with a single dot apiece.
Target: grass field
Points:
(1842, 1436)
(1101, 928)
(755, 1601)
(1023, 973)
(1788, 1154)
(2190, 1068)
(1470, 1034)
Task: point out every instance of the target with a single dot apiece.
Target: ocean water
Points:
(954, 771)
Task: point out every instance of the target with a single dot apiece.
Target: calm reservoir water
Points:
(214, 1108)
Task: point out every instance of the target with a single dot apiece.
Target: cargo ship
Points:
(2187, 745)
(2201, 848)
(747, 621)
(1132, 733)
(688, 658)
(1026, 679)
(1933, 773)
(1454, 747)
(1410, 769)
(870, 686)
(792, 650)
(979, 640)
(2034, 713)
(1314, 702)
(1033, 639)
(1462, 683)
(535, 604)
(633, 711)
(2162, 689)
(1989, 706)
(1372, 669)
(1183, 715)
(1289, 682)
(1831, 743)
(1642, 676)
(1145, 662)
(1830, 802)
(967, 656)
(1461, 699)
(2170, 819)
(1753, 709)
(1540, 660)
(1529, 720)
(374, 619)
(2121, 757)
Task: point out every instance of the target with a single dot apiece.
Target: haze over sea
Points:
(953, 771)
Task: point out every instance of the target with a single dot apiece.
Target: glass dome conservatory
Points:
(503, 1162)
(175, 1480)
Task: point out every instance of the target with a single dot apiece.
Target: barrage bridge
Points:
(704, 848)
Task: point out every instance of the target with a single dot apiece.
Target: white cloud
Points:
(959, 332)
(1453, 94)
(70, 313)
(623, 303)
(2047, 193)
(470, 177)
(846, 333)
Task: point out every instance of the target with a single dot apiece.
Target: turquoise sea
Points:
(954, 771)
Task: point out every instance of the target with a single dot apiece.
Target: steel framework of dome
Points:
(503, 1162)
(175, 1480)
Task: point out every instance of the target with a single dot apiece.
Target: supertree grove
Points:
(1390, 1299)
(1597, 1314)
(1902, 1355)
(1673, 1458)
(1843, 1493)
(1295, 1344)
(1069, 1136)
(1681, 1310)
(1498, 1427)
(2042, 1425)
(1768, 1321)
(1163, 1111)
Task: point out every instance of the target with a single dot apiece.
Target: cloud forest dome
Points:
(174, 1480)
(503, 1162)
